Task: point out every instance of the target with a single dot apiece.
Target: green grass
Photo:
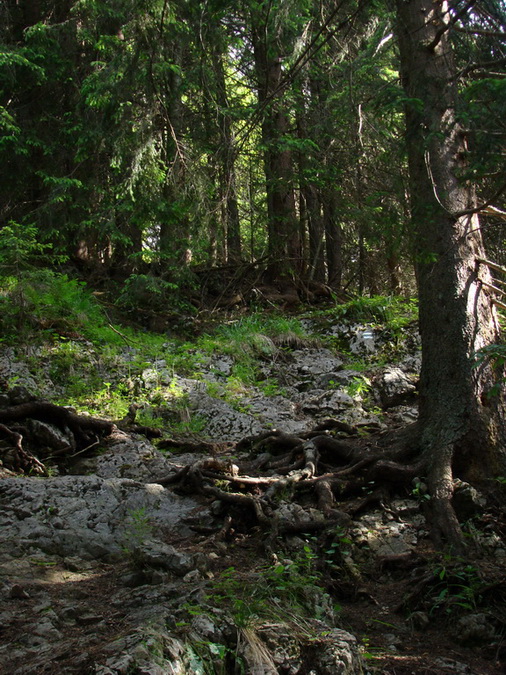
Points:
(391, 312)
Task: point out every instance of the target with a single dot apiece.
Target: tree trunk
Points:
(461, 426)
(228, 189)
(310, 209)
(333, 238)
(173, 233)
(283, 232)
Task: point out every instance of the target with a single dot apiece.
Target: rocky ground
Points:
(216, 552)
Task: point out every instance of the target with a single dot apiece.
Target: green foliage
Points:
(51, 301)
(420, 490)
(138, 530)
(292, 587)
(457, 587)
(392, 311)
(337, 550)
(20, 248)
(254, 334)
(143, 290)
(359, 387)
(247, 340)
(108, 401)
(208, 658)
(484, 110)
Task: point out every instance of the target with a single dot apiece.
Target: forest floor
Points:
(420, 612)
(391, 644)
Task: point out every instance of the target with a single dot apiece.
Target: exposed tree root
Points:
(183, 445)
(313, 468)
(85, 431)
(18, 458)
(323, 473)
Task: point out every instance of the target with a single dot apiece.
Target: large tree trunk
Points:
(283, 225)
(461, 425)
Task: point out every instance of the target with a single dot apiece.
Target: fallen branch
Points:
(21, 460)
(49, 412)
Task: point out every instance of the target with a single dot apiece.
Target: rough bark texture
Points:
(283, 232)
(460, 424)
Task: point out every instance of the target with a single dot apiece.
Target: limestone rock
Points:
(474, 629)
(158, 554)
(51, 436)
(395, 388)
(466, 501)
(96, 517)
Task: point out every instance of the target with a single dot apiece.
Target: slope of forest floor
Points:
(286, 524)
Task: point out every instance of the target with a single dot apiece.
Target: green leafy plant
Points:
(338, 548)
(19, 248)
(420, 490)
(359, 387)
(52, 304)
(392, 311)
(141, 290)
(456, 587)
(138, 530)
(292, 586)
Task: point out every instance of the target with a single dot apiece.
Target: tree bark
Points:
(310, 209)
(461, 425)
(284, 243)
(333, 237)
(228, 190)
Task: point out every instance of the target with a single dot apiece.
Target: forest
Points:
(173, 171)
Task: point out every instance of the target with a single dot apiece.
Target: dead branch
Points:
(259, 506)
(21, 460)
(49, 412)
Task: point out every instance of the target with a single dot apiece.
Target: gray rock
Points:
(127, 457)
(220, 367)
(328, 403)
(314, 363)
(46, 629)
(207, 628)
(223, 422)
(151, 651)
(97, 517)
(50, 435)
(338, 655)
(395, 388)
(466, 501)
(451, 666)
(377, 537)
(341, 377)
(364, 341)
(156, 377)
(18, 375)
(158, 554)
(403, 414)
(337, 651)
(474, 629)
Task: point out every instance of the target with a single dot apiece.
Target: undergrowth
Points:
(290, 587)
(391, 311)
(102, 368)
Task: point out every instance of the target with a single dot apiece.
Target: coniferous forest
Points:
(171, 170)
